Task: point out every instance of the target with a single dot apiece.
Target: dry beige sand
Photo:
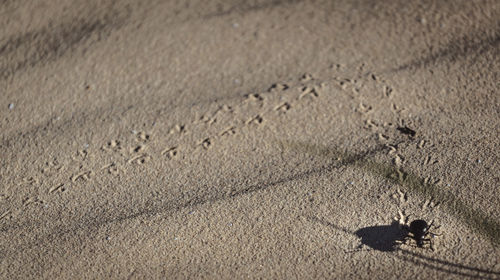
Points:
(248, 139)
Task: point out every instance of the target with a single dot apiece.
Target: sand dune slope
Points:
(248, 139)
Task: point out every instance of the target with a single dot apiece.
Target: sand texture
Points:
(229, 139)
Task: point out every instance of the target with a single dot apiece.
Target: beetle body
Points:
(419, 231)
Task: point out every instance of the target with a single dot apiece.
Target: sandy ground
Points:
(248, 139)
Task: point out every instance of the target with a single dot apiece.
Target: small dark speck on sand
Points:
(406, 130)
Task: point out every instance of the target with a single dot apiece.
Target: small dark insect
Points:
(419, 231)
(407, 130)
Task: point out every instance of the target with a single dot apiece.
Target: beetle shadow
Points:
(382, 238)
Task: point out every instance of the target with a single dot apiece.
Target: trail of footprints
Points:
(379, 128)
(141, 153)
(284, 96)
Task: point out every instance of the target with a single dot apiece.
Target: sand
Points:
(248, 139)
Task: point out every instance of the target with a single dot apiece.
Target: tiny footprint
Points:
(111, 168)
(178, 128)
(306, 78)
(137, 149)
(370, 124)
(229, 131)
(256, 120)
(208, 120)
(398, 160)
(278, 87)
(283, 107)
(31, 200)
(253, 97)
(57, 188)
(139, 159)
(82, 175)
(31, 180)
(308, 91)
(142, 137)
(170, 152)
(364, 108)
(81, 155)
(387, 91)
(206, 143)
(112, 145)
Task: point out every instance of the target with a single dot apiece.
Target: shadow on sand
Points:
(383, 238)
(476, 219)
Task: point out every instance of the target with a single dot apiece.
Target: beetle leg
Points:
(400, 241)
(428, 230)
(405, 227)
(430, 243)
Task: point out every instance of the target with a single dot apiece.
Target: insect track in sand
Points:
(225, 122)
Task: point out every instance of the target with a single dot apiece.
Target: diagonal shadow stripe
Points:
(93, 220)
(50, 43)
(457, 49)
(447, 266)
(476, 219)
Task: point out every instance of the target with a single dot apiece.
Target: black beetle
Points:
(419, 230)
